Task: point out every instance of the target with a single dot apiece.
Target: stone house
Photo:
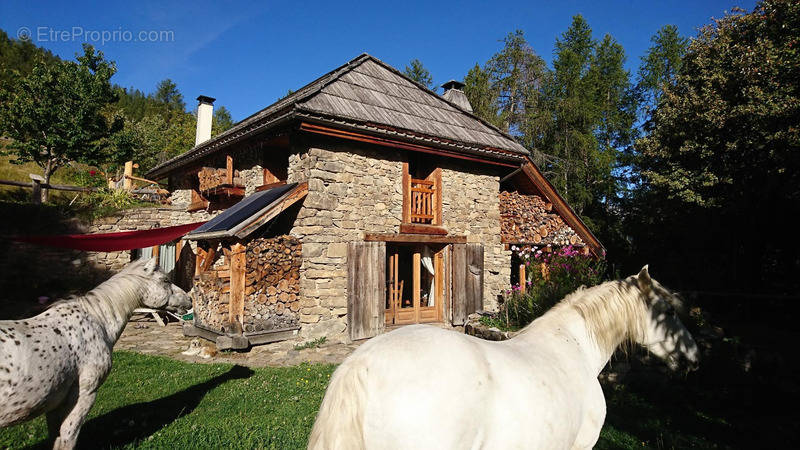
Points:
(362, 201)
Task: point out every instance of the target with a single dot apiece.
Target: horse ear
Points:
(150, 266)
(644, 278)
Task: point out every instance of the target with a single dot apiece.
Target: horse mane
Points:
(116, 297)
(615, 311)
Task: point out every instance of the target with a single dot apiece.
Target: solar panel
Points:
(242, 210)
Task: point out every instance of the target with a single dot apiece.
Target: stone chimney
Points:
(205, 112)
(454, 94)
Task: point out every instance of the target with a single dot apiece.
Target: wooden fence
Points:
(37, 184)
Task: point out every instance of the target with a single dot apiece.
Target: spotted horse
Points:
(55, 362)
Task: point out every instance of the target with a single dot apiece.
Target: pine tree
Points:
(482, 95)
(660, 66)
(417, 72)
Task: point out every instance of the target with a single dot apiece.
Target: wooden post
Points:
(416, 284)
(36, 184)
(229, 169)
(238, 271)
(198, 261)
(522, 279)
(438, 262)
(127, 183)
(406, 194)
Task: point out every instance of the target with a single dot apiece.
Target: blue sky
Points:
(247, 54)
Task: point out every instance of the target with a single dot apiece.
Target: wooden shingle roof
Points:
(369, 95)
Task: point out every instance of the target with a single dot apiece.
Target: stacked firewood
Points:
(272, 280)
(530, 219)
(211, 299)
(271, 293)
(211, 177)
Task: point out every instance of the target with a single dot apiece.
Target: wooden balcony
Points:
(422, 201)
(422, 204)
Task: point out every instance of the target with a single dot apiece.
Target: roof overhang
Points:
(245, 217)
(531, 173)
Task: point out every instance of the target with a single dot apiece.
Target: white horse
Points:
(54, 362)
(421, 387)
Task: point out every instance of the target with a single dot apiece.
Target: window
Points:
(167, 255)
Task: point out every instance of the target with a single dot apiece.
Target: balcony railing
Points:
(422, 201)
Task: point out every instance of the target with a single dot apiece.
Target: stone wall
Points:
(30, 271)
(471, 207)
(133, 220)
(352, 191)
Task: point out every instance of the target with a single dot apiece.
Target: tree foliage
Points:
(20, 56)
(721, 159)
(417, 72)
(54, 114)
(660, 65)
(591, 107)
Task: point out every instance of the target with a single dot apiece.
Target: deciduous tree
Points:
(54, 114)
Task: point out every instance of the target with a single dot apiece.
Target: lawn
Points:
(156, 402)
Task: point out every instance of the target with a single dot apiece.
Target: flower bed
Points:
(551, 274)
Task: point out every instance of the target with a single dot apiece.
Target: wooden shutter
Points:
(467, 281)
(366, 288)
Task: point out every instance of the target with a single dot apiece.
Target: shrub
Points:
(106, 201)
(551, 275)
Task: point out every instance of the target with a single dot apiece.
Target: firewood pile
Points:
(530, 219)
(211, 297)
(272, 292)
(211, 177)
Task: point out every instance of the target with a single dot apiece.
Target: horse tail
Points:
(340, 421)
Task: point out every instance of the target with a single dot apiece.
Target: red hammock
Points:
(112, 242)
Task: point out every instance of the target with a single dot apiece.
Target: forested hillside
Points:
(146, 127)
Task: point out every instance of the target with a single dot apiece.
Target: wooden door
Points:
(366, 288)
(467, 267)
(405, 303)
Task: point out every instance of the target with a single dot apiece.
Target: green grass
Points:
(156, 402)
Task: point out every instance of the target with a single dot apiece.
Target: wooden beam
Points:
(418, 228)
(406, 194)
(437, 196)
(522, 279)
(228, 169)
(418, 238)
(238, 271)
(144, 180)
(264, 187)
(350, 135)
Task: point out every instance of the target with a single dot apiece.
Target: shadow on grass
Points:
(138, 421)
